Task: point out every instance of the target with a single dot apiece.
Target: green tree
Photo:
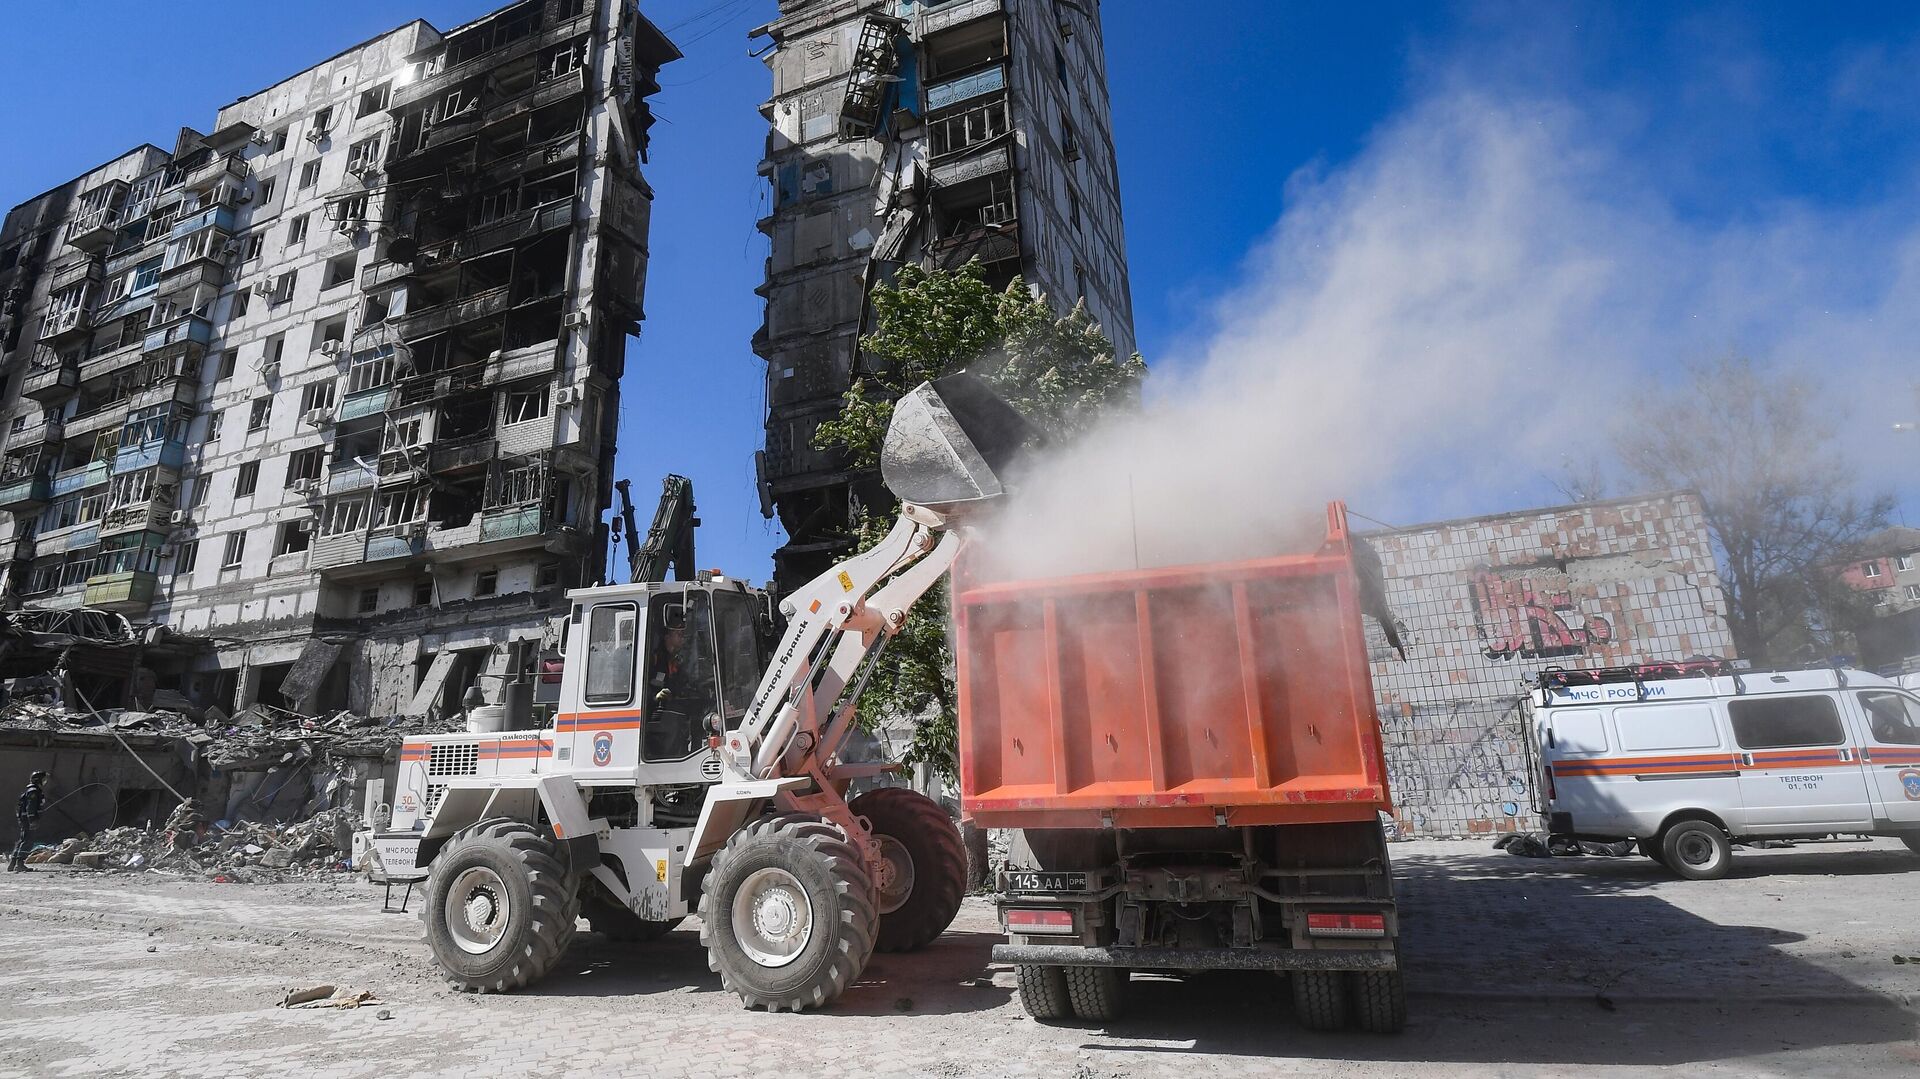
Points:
(1060, 371)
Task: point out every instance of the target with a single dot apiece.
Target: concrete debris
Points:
(247, 853)
(1535, 845)
(326, 996)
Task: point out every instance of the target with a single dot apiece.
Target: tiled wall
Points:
(1487, 603)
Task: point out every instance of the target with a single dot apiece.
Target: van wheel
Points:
(1651, 849)
(1043, 991)
(1320, 999)
(1697, 850)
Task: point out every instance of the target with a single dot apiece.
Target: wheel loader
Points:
(693, 764)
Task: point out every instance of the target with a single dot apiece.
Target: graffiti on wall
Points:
(1514, 619)
(1459, 767)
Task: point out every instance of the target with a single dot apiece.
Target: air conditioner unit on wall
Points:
(566, 395)
(180, 517)
(330, 347)
(307, 524)
(317, 417)
(576, 320)
(304, 486)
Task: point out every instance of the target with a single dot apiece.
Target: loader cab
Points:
(653, 671)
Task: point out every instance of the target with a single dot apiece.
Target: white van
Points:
(1688, 758)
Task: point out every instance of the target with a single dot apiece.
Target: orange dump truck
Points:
(1192, 761)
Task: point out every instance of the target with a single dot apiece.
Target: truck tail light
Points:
(1053, 920)
(1346, 925)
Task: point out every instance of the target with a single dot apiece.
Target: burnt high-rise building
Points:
(331, 389)
(930, 132)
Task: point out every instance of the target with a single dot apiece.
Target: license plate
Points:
(1044, 882)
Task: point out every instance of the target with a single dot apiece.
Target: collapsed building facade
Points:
(1486, 603)
(930, 132)
(331, 392)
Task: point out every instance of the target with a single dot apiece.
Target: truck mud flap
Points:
(1070, 955)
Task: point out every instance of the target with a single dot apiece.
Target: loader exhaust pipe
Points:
(950, 442)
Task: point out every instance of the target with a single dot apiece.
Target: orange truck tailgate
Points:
(1235, 693)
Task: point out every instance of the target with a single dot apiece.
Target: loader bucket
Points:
(949, 443)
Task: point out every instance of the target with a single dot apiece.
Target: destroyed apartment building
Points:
(330, 392)
(927, 132)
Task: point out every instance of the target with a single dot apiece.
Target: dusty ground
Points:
(1518, 967)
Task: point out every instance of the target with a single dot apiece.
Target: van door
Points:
(1573, 751)
(1798, 768)
(1890, 753)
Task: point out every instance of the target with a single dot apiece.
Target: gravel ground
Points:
(1517, 966)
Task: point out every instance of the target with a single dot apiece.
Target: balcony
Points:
(214, 169)
(441, 317)
(383, 545)
(515, 228)
(191, 272)
(362, 403)
(511, 522)
(187, 336)
(25, 492)
(953, 15)
(107, 417)
(128, 592)
(465, 455)
(437, 82)
(94, 368)
(967, 87)
(49, 384)
(972, 168)
(329, 552)
(73, 272)
(219, 217)
(149, 516)
(542, 358)
(82, 478)
(94, 230)
(175, 389)
(156, 454)
(71, 324)
(384, 272)
(42, 432)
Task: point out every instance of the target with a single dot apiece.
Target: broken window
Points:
(297, 230)
(369, 600)
(339, 272)
(246, 480)
(261, 413)
(254, 244)
(376, 309)
(236, 550)
(133, 328)
(292, 539)
(347, 515)
(525, 405)
(401, 507)
(423, 592)
(279, 140)
(486, 582)
(186, 557)
(1069, 142)
(364, 157)
(316, 395)
(963, 131)
(146, 276)
(305, 464)
(266, 190)
(214, 417)
(400, 435)
(310, 173)
(322, 124)
(283, 286)
(240, 300)
(376, 99)
(370, 370)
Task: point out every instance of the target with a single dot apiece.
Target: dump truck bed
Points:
(1233, 693)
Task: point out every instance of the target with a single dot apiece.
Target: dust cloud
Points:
(1431, 329)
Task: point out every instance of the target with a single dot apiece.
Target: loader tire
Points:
(786, 913)
(500, 908)
(1097, 994)
(1379, 1000)
(620, 924)
(1320, 999)
(1043, 991)
(927, 866)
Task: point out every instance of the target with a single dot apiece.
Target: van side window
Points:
(610, 653)
(1665, 726)
(1774, 722)
(1893, 717)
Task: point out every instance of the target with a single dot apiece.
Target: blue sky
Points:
(1739, 126)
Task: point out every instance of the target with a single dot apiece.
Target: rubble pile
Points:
(253, 737)
(246, 853)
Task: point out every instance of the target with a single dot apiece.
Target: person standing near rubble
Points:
(32, 801)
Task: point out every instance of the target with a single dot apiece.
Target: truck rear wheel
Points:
(1096, 994)
(786, 913)
(1320, 999)
(501, 907)
(623, 925)
(1043, 991)
(1697, 850)
(926, 866)
(1379, 1000)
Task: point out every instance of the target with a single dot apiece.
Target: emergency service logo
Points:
(1910, 783)
(603, 749)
